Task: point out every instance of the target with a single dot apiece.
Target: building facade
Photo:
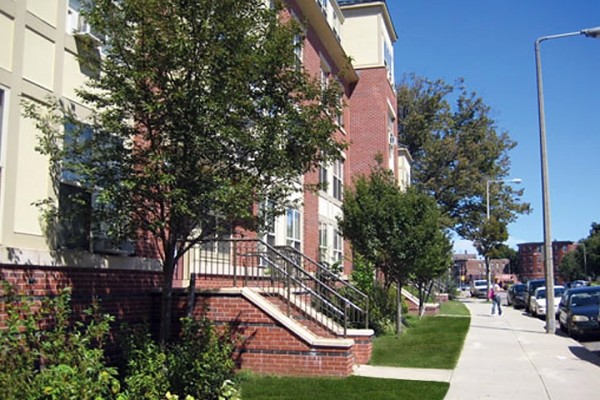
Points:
(467, 268)
(531, 257)
(39, 60)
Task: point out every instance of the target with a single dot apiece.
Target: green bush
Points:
(199, 365)
(43, 355)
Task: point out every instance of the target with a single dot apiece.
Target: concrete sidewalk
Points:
(510, 357)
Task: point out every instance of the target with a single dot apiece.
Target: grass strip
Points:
(432, 342)
(351, 388)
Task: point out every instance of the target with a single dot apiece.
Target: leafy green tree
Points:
(399, 232)
(457, 148)
(571, 267)
(504, 251)
(199, 112)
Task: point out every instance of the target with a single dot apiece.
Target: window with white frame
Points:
(293, 237)
(388, 60)
(269, 232)
(324, 177)
(338, 180)
(338, 247)
(323, 242)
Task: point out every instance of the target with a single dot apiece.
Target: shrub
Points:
(199, 365)
(45, 356)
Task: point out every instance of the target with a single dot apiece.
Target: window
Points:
(74, 199)
(323, 242)
(338, 247)
(267, 211)
(76, 23)
(75, 208)
(293, 228)
(338, 180)
(323, 177)
(388, 60)
(340, 117)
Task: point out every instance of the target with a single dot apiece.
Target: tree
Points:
(199, 112)
(570, 267)
(456, 150)
(399, 232)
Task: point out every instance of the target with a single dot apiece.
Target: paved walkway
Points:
(511, 357)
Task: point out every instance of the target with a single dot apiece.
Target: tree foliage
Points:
(457, 148)
(584, 261)
(199, 112)
(399, 232)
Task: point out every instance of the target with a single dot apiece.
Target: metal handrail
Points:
(255, 263)
(334, 277)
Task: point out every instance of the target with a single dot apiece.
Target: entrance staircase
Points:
(289, 305)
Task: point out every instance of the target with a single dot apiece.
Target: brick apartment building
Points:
(531, 257)
(467, 268)
(38, 58)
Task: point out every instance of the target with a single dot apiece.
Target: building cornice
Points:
(314, 16)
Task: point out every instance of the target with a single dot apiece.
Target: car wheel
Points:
(571, 331)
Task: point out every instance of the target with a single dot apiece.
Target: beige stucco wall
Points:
(46, 10)
(32, 182)
(7, 28)
(38, 59)
(361, 37)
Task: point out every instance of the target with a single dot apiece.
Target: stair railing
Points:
(278, 273)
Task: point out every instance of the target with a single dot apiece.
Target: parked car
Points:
(479, 288)
(578, 311)
(538, 300)
(515, 296)
(576, 284)
(531, 286)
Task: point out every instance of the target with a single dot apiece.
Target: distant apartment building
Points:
(467, 268)
(531, 257)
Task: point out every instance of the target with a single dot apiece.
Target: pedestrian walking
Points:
(494, 296)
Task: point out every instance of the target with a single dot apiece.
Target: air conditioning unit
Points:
(78, 25)
(104, 245)
(392, 139)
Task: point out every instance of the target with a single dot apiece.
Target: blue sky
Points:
(490, 45)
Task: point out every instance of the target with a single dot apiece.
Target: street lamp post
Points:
(548, 265)
(487, 215)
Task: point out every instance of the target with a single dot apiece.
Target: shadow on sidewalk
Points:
(585, 355)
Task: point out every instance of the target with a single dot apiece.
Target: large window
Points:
(74, 198)
(269, 234)
(293, 237)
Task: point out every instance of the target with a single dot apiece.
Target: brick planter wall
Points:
(266, 346)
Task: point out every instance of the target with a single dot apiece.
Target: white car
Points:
(537, 302)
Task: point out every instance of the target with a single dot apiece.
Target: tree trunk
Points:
(166, 303)
(398, 308)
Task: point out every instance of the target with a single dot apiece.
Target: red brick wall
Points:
(369, 112)
(130, 296)
(268, 347)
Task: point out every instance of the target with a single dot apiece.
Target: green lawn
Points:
(453, 308)
(432, 342)
(352, 388)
